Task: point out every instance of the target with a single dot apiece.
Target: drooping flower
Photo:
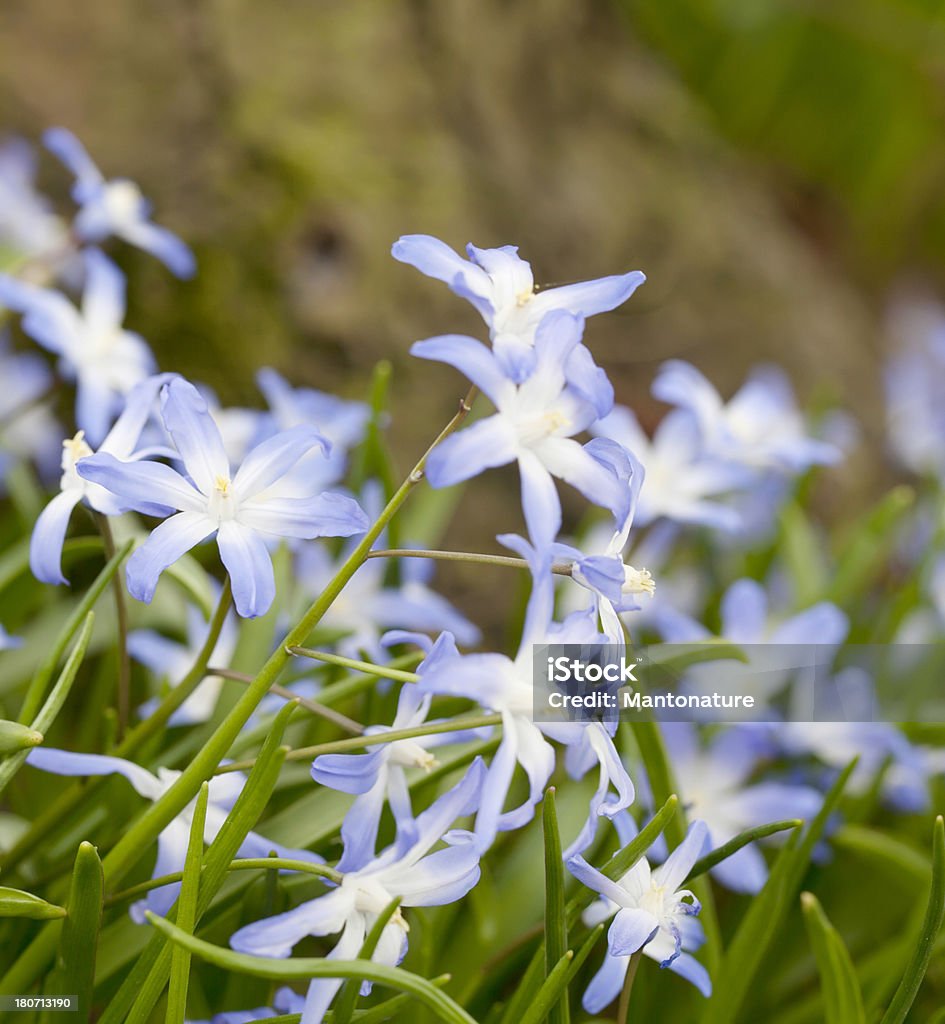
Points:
(501, 287)
(115, 207)
(714, 785)
(420, 878)
(171, 660)
(104, 359)
(534, 424)
(120, 442)
(614, 584)
(243, 510)
(651, 913)
(172, 842)
(759, 427)
(379, 776)
(683, 484)
(28, 225)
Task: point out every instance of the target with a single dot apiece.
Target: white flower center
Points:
(533, 429)
(122, 200)
(222, 503)
(638, 581)
(412, 755)
(73, 449)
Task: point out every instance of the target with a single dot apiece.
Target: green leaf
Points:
(556, 920)
(541, 1007)
(37, 688)
(706, 863)
(54, 702)
(348, 996)
(676, 657)
(922, 954)
(14, 736)
(304, 969)
(761, 923)
(187, 912)
(843, 1003)
(897, 857)
(17, 903)
(75, 970)
(803, 556)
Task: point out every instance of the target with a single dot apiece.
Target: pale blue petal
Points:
(590, 297)
(631, 930)
(147, 487)
(688, 967)
(247, 560)
(484, 445)
(67, 148)
(440, 878)
(744, 612)
(103, 294)
(673, 871)
(745, 871)
(589, 380)
(274, 457)
(360, 826)
(606, 984)
(822, 623)
(471, 358)
(596, 880)
(430, 256)
(66, 762)
(48, 536)
(164, 245)
(322, 515)
(540, 502)
(171, 539)
(349, 773)
(196, 436)
(275, 936)
(566, 459)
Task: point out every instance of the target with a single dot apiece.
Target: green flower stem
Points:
(145, 830)
(243, 864)
(374, 738)
(560, 568)
(313, 706)
(121, 611)
(360, 666)
(623, 1007)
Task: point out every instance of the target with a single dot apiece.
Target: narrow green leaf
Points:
(187, 911)
(40, 681)
(556, 920)
(307, 968)
(758, 928)
(803, 555)
(75, 969)
(539, 1008)
(676, 657)
(922, 954)
(706, 863)
(54, 702)
(843, 1003)
(14, 736)
(883, 850)
(17, 903)
(348, 996)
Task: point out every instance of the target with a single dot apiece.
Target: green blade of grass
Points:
(348, 996)
(922, 954)
(556, 918)
(709, 861)
(843, 1002)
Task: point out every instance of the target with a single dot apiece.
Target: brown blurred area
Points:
(290, 143)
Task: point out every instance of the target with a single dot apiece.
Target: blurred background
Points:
(774, 166)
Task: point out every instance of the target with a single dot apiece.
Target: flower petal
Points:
(631, 930)
(196, 436)
(590, 297)
(322, 515)
(67, 148)
(473, 359)
(172, 538)
(164, 245)
(147, 487)
(606, 984)
(275, 936)
(540, 501)
(49, 534)
(66, 762)
(273, 458)
(247, 560)
(484, 445)
(672, 872)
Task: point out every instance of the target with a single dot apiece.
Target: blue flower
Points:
(115, 207)
(28, 226)
(379, 776)
(504, 685)
(105, 360)
(419, 877)
(682, 483)
(534, 424)
(243, 510)
(7, 642)
(173, 840)
(759, 427)
(121, 442)
(171, 660)
(651, 913)
(501, 287)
